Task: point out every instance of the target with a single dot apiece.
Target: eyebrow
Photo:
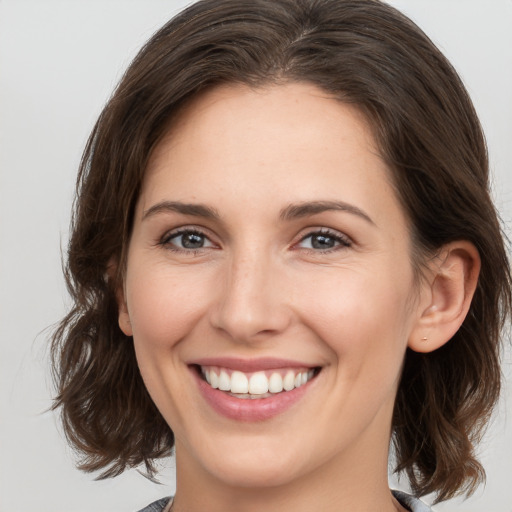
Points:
(196, 210)
(290, 212)
(294, 211)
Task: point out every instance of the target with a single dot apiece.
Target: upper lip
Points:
(250, 365)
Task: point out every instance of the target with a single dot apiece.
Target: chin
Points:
(262, 465)
(255, 475)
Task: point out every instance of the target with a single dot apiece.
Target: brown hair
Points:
(362, 52)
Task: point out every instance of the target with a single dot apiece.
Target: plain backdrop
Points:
(59, 61)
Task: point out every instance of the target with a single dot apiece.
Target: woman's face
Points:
(270, 251)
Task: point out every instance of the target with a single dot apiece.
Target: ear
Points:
(448, 290)
(123, 317)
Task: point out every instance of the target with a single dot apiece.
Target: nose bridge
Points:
(251, 303)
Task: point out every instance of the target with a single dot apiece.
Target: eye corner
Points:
(187, 240)
(323, 240)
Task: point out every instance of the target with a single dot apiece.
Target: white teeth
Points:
(255, 385)
(224, 381)
(289, 381)
(275, 383)
(258, 384)
(214, 380)
(239, 383)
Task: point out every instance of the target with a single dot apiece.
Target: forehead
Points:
(299, 104)
(292, 139)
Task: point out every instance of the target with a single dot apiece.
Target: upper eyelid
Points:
(325, 231)
(304, 234)
(166, 241)
(187, 229)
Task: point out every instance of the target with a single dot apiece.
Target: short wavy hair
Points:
(362, 52)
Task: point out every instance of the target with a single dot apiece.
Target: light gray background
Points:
(59, 61)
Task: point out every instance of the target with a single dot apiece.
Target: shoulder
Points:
(410, 502)
(157, 506)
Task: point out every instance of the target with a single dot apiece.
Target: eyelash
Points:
(342, 241)
(166, 241)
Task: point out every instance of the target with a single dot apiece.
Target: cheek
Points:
(361, 318)
(163, 307)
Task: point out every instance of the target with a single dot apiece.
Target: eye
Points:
(324, 240)
(187, 240)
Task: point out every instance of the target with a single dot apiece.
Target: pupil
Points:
(322, 242)
(192, 241)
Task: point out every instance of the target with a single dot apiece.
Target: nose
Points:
(254, 300)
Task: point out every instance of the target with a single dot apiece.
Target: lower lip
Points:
(249, 409)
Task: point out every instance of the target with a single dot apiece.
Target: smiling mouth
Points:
(254, 385)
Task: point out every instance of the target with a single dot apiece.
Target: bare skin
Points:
(267, 227)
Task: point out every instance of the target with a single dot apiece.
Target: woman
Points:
(284, 254)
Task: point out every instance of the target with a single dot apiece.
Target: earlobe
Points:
(123, 317)
(451, 286)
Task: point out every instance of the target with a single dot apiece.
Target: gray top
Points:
(406, 500)
(156, 506)
(410, 502)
